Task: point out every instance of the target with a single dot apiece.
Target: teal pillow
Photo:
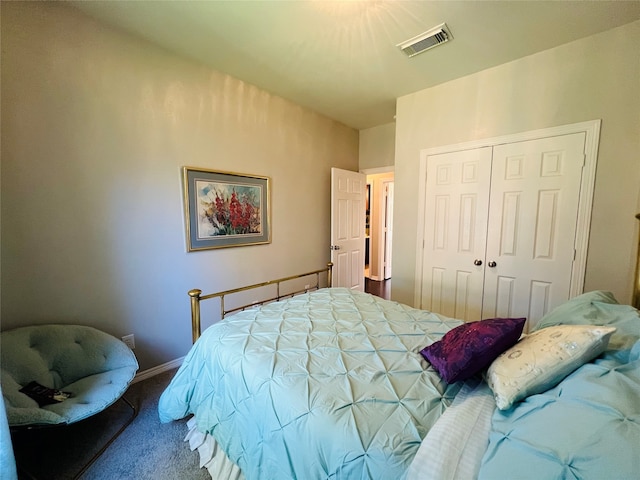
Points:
(580, 310)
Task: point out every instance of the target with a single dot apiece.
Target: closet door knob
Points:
(477, 262)
(492, 264)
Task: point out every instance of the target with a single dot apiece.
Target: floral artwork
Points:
(228, 209)
(225, 209)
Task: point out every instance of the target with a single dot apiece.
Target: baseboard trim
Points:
(152, 372)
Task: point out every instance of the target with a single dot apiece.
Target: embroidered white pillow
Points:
(542, 359)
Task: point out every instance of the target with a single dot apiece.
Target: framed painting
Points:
(225, 209)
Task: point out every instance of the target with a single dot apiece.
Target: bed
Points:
(336, 384)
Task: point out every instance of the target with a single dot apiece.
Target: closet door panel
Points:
(535, 188)
(456, 203)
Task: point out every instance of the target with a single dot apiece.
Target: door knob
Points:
(492, 264)
(477, 262)
(334, 247)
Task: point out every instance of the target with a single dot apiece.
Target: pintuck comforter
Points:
(327, 384)
(330, 385)
(587, 427)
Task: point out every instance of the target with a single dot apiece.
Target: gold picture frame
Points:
(225, 209)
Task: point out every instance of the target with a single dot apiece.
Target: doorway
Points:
(379, 230)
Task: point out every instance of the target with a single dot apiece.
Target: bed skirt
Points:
(212, 457)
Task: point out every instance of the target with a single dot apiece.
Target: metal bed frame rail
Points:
(197, 297)
(636, 280)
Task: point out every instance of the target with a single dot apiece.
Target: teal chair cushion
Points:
(8, 469)
(95, 367)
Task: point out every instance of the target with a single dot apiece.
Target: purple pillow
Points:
(471, 347)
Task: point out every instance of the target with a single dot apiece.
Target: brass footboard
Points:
(636, 285)
(197, 297)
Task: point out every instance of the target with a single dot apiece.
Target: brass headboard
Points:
(636, 286)
(197, 297)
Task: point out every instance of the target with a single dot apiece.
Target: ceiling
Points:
(340, 58)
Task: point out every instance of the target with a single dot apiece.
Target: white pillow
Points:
(542, 359)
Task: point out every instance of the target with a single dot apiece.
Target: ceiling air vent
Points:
(423, 42)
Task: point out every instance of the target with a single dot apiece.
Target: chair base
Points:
(26, 474)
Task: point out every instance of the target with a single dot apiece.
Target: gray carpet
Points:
(147, 449)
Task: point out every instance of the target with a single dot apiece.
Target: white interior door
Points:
(535, 190)
(348, 228)
(537, 224)
(455, 230)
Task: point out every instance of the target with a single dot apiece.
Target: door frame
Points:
(377, 220)
(591, 129)
(387, 225)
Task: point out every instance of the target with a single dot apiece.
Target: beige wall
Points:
(377, 146)
(96, 126)
(594, 78)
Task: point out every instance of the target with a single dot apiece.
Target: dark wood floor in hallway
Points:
(380, 289)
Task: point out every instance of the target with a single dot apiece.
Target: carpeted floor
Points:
(147, 449)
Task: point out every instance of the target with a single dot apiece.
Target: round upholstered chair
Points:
(93, 366)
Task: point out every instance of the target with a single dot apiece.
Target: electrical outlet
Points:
(130, 341)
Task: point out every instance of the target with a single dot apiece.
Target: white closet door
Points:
(535, 191)
(456, 205)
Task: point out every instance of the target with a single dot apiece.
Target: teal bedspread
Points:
(588, 426)
(326, 385)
